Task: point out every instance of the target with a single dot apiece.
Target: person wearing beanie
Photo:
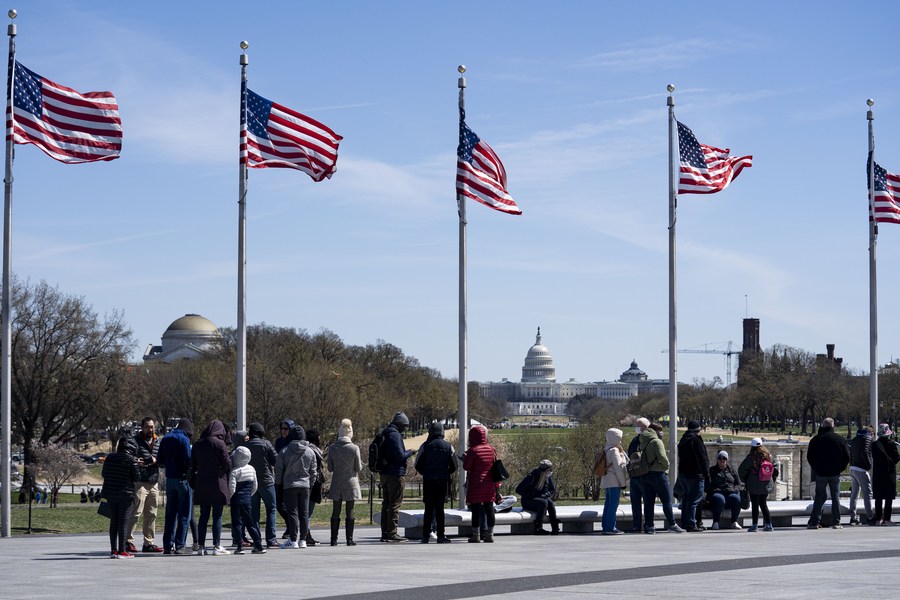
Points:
(860, 465)
(613, 480)
(242, 485)
(693, 472)
(884, 474)
(120, 471)
(537, 490)
(828, 455)
(435, 462)
(345, 463)
(262, 459)
(295, 472)
(635, 482)
(724, 491)
(656, 481)
(394, 456)
(315, 491)
(174, 457)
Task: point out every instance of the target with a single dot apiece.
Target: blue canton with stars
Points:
(467, 139)
(880, 176)
(257, 114)
(689, 150)
(28, 95)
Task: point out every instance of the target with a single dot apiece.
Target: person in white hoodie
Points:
(613, 480)
(241, 486)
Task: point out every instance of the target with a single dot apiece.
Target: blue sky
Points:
(573, 100)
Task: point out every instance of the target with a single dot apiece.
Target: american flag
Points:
(479, 173)
(705, 169)
(69, 126)
(275, 136)
(887, 195)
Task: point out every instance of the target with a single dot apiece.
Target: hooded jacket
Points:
(693, 461)
(394, 452)
(295, 466)
(262, 455)
(174, 453)
(435, 461)
(282, 441)
(242, 478)
(477, 461)
(655, 451)
(616, 476)
(210, 466)
(828, 454)
(120, 471)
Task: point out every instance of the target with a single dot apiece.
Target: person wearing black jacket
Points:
(435, 463)
(146, 490)
(860, 465)
(724, 490)
(828, 455)
(262, 458)
(884, 474)
(693, 472)
(120, 471)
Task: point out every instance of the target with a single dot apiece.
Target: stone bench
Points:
(581, 519)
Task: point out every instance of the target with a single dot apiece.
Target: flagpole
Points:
(873, 294)
(242, 258)
(673, 321)
(463, 417)
(5, 312)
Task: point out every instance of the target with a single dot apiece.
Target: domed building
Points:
(538, 363)
(190, 336)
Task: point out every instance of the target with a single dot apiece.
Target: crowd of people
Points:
(287, 478)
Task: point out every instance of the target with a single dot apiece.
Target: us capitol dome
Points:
(538, 363)
(190, 336)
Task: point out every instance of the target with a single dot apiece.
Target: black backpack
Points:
(375, 458)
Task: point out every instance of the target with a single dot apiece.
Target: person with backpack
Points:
(860, 482)
(693, 471)
(345, 464)
(759, 474)
(436, 462)
(828, 455)
(884, 474)
(656, 481)
(635, 486)
(392, 458)
(612, 480)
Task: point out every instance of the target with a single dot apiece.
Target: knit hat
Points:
(298, 433)
(884, 429)
(257, 430)
(187, 427)
(545, 465)
(346, 429)
(722, 454)
(643, 422)
(312, 436)
(693, 425)
(755, 443)
(400, 419)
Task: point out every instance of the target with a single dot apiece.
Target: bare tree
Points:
(57, 465)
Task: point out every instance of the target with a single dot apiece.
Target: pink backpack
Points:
(766, 469)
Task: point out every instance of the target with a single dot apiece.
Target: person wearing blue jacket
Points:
(393, 472)
(174, 457)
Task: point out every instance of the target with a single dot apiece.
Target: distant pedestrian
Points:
(315, 491)
(884, 474)
(242, 485)
(481, 490)
(286, 430)
(656, 481)
(759, 474)
(435, 462)
(693, 471)
(175, 458)
(393, 456)
(635, 485)
(295, 471)
(828, 455)
(210, 467)
(613, 481)
(84, 497)
(262, 459)
(120, 471)
(345, 463)
(146, 491)
(860, 482)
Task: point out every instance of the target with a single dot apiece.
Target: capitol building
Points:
(538, 393)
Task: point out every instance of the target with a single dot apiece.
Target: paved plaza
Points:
(789, 563)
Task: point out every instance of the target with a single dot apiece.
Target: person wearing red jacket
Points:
(480, 488)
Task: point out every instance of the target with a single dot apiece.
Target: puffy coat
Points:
(477, 461)
(884, 469)
(725, 481)
(242, 482)
(828, 453)
(345, 464)
(210, 466)
(120, 471)
(616, 476)
(148, 450)
(435, 461)
(861, 451)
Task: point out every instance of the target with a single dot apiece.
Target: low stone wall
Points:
(794, 482)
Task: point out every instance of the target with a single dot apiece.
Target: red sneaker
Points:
(149, 548)
(125, 554)
(129, 547)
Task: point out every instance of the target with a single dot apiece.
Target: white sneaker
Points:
(433, 535)
(302, 544)
(288, 544)
(736, 525)
(201, 551)
(220, 551)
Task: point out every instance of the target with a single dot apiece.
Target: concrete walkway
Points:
(789, 563)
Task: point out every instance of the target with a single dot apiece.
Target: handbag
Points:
(498, 470)
(745, 499)
(104, 510)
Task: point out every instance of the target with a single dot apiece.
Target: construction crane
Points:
(714, 348)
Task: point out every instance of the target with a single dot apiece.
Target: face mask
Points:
(637, 430)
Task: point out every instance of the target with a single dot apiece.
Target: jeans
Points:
(610, 508)
(693, 494)
(832, 484)
(241, 517)
(216, 526)
(720, 500)
(637, 501)
(656, 483)
(860, 484)
(267, 495)
(179, 509)
(392, 487)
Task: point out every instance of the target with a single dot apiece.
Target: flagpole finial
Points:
(670, 88)
(244, 44)
(462, 80)
(461, 69)
(870, 102)
(870, 116)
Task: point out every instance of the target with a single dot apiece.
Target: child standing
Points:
(759, 485)
(242, 485)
